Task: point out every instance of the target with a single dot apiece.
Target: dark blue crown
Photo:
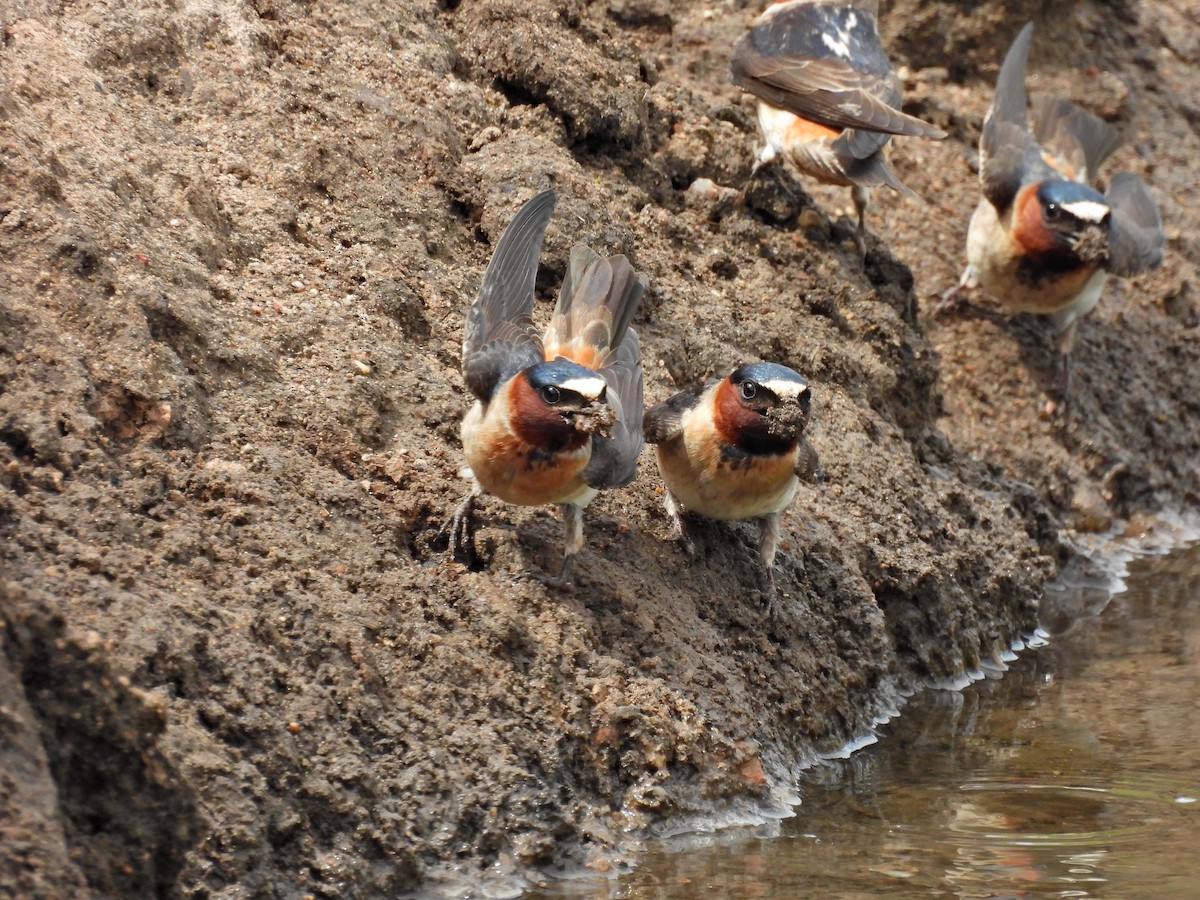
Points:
(556, 371)
(760, 372)
(1064, 193)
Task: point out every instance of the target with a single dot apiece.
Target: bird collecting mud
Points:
(735, 449)
(828, 100)
(1042, 239)
(558, 417)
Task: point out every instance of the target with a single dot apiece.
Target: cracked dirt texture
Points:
(237, 239)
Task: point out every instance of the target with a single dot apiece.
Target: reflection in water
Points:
(1077, 774)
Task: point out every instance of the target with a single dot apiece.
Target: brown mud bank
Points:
(237, 241)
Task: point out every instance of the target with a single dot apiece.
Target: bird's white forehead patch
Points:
(787, 390)
(584, 387)
(1087, 210)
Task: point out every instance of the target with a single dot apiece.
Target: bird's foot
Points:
(462, 530)
(685, 541)
(860, 244)
(954, 296)
(560, 582)
(950, 299)
(769, 593)
(556, 582)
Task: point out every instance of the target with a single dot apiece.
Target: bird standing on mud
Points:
(735, 449)
(1042, 240)
(559, 417)
(827, 96)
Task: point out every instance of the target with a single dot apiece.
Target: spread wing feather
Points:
(665, 420)
(614, 458)
(595, 306)
(499, 339)
(872, 168)
(1009, 155)
(1078, 138)
(1135, 238)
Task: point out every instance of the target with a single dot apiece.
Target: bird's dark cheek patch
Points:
(1029, 229)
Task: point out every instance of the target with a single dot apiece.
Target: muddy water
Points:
(1076, 774)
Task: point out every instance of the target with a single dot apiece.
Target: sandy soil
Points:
(237, 238)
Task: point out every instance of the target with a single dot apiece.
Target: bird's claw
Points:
(560, 582)
(949, 300)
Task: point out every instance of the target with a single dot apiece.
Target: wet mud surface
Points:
(237, 241)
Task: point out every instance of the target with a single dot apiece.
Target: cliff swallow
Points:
(735, 449)
(1042, 240)
(827, 96)
(558, 417)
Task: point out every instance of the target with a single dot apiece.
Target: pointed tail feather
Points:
(595, 306)
(1081, 140)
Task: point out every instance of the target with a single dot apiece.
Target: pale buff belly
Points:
(993, 255)
(724, 489)
(510, 469)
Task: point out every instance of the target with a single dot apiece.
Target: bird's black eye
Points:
(551, 394)
(749, 389)
(1052, 212)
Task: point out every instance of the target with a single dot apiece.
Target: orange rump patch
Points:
(804, 130)
(1060, 165)
(582, 353)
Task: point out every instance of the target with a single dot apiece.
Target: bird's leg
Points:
(862, 199)
(462, 523)
(766, 156)
(573, 526)
(952, 297)
(1062, 376)
(675, 511)
(769, 159)
(768, 544)
(1062, 365)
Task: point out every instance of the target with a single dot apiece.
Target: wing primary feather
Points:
(1007, 150)
(664, 421)
(1010, 103)
(1080, 138)
(825, 63)
(499, 339)
(598, 300)
(1136, 237)
(614, 458)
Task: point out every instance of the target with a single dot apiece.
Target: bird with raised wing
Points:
(558, 416)
(1042, 239)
